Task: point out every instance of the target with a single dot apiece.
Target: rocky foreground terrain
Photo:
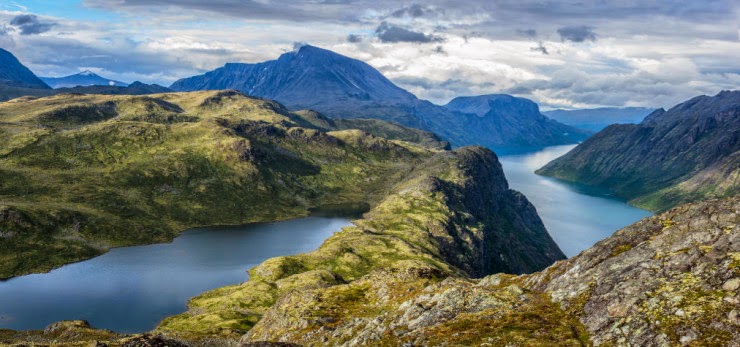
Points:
(668, 280)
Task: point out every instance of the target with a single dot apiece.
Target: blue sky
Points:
(562, 54)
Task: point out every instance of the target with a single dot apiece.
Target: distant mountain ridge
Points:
(688, 153)
(85, 78)
(342, 87)
(517, 121)
(595, 119)
(15, 74)
(136, 88)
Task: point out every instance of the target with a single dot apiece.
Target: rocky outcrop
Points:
(668, 280)
(454, 216)
(685, 154)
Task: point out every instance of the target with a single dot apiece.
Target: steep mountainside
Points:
(687, 153)
(596, 119)
(82, 173)
(513, 121)
(341, 87)
(85, 78)
(16, 80)
(668, 280)
(15, 74)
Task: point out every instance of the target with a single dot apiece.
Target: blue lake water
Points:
(575, 216)
(131, 289)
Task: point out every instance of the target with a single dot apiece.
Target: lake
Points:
(131, 289)
(576, 216)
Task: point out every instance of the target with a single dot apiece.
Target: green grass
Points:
(124, 170)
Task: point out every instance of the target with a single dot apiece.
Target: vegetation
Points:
(82, 173)
(688, 153)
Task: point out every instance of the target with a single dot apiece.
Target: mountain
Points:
(504, 119)
(341, 87)
(15, 74)
(688, 153)
(84, 78)
(136, 88)
(667, 280)
(16, 80)
(80, 174)
(596, 119)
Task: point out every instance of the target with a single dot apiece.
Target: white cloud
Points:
(645, 53)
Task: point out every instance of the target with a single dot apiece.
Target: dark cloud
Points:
(30, 24)
(531, 33)
(577, 33)
(540, 48)
(354, 38)
(392, 33)
(415, 11)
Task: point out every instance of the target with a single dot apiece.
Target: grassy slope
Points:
(428, 225)
(82, 173)
(689, 153)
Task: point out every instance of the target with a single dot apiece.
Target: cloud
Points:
(414, 11)
(530, 33)
(390, 33)
(670, 50)
(577, 33)
(29, 24)
(540, 48)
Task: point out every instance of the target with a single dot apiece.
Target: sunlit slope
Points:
(82, 173)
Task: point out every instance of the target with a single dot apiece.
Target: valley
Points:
(369, 173)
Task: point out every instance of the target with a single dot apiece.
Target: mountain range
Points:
(595, 119)
(342, 87)
(136, 88)
(690, 152)
(84, 78)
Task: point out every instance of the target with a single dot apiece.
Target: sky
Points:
(561, 54)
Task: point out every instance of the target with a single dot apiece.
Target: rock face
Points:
(514, 122)
(596, 119)
(15, 74)
(341, 87)
(668, 280)
(687, 153)
(85, 78)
